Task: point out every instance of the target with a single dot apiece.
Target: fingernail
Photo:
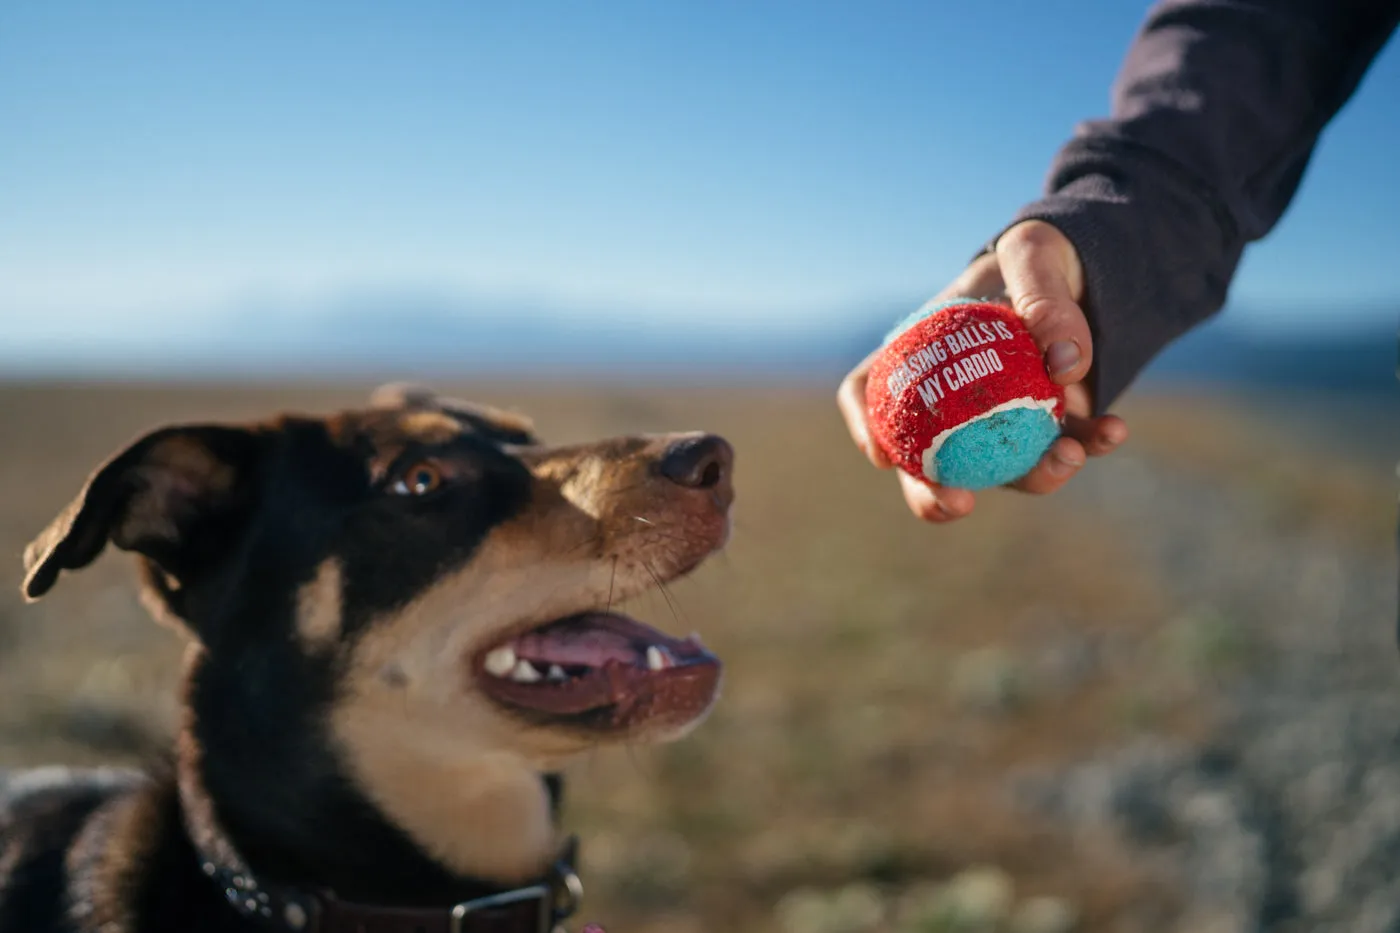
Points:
(1062, 356)
(1060, 466)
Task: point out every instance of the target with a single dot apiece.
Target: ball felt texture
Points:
(959, 396)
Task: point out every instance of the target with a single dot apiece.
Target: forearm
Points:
(1216, 113)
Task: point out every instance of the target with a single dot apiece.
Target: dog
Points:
(400, 629)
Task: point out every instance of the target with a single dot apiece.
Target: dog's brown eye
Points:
(418, 480)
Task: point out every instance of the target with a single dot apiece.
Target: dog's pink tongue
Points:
(578, 644)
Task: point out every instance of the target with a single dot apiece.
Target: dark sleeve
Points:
(1215, 114)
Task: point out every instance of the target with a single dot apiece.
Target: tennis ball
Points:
(959, 396)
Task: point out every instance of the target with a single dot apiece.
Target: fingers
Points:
(1083, 438)
(935, 505)
(1037, 268)
(1045, 281)
(1099, 436)
(850, 398)
(1057, 467)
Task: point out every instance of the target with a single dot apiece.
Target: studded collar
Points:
(534, 908)
(537, 907)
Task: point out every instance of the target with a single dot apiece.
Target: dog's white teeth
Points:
(557, 673)
(501, 661)
(525, 672)
(657, 659)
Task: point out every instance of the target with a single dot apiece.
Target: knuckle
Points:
(853, 385)
(1040, 311)
(925, 511)
(1030, 236)
(1031, 485)
(850, 405)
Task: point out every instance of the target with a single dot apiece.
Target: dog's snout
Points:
(701, 461)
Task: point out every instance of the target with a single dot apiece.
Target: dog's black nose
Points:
(701, 461)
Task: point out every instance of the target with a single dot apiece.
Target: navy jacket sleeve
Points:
(1215, 114)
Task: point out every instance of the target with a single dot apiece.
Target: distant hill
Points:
(1360, 359)
(432, 338)
(416, 336)
(440, 337)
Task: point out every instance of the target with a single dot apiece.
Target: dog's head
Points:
(414, 598)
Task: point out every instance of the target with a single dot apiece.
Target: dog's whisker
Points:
(588, 541)
(633, 758)
(612, 580)
(676, 616)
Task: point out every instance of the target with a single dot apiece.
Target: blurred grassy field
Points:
(883, 676)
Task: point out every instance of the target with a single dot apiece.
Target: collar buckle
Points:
(558, 899)
(461, 912)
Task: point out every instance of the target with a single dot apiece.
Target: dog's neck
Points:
(288, 815)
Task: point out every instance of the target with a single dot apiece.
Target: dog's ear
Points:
(410, 397)
(404, 395)
(166, 496)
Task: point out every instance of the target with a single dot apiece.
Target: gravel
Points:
(1290, 819)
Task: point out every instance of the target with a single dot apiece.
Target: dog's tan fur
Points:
(413, 728)
(319, 609)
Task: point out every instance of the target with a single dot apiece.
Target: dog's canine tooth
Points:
(525, 672)
(501, 661)
(657, 659)
(557, 673)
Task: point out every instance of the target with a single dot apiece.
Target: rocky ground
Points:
(1289, 818)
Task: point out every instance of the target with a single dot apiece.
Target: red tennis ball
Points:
(959, 396)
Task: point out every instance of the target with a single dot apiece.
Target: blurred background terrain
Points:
(1164, 699)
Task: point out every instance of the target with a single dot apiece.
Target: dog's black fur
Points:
(231, 527)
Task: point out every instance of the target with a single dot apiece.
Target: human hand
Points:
(1037, 268)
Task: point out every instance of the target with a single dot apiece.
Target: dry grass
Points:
(841, 749)
(1293, 479)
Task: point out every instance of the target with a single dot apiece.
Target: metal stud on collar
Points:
(295, 915)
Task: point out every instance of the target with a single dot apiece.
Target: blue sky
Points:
(731, 163)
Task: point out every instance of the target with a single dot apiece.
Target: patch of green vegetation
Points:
(1208, 645)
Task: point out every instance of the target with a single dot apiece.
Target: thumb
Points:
(1045, 283)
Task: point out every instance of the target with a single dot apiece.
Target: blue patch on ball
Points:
(995, 450)
(914, 317)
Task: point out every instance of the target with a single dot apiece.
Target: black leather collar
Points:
(533, 908)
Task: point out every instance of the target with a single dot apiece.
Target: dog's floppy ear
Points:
(154, 498)
(412, 397)
(404, 395)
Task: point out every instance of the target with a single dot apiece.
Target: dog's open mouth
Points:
(601, 670)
